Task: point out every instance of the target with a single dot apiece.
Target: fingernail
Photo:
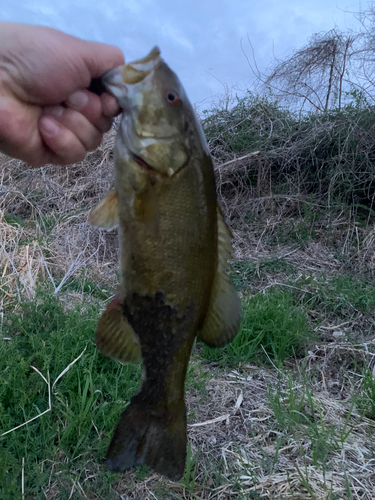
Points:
(54, 111)
(49, 126)
(78, 100)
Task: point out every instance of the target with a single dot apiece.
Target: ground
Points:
(286, 411)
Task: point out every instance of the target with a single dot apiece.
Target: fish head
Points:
(158, 121)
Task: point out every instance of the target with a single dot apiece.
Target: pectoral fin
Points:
(105, 214)
(224, 313)
(114, 336)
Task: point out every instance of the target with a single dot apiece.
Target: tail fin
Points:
(145, 435)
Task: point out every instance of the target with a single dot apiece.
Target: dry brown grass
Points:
(239, 437)
(47, 231)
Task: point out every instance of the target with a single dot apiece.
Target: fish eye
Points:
(172, 96)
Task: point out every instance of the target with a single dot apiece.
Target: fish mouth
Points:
(116, 80)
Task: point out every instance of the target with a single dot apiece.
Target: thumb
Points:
(101, 57)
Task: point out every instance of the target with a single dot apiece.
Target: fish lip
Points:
(113, 82)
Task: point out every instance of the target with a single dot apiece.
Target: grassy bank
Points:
(288, 404)
(287, 410)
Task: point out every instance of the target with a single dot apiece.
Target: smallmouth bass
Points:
(174, 247)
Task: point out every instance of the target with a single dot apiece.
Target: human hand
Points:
(46, 113)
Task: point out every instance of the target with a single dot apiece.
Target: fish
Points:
(174, 248)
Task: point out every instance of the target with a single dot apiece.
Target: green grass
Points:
(296, 233)
(14, 220)
(244, 273)
(273, 328)
(342, 295)
(296, 413)
(275, 325)
(86, 401)
(68, 443)
(365, 400)
(188, 479)
(86, 286)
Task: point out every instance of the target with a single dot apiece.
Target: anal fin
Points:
(114, 336)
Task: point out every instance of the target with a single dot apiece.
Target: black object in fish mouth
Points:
(97, 86)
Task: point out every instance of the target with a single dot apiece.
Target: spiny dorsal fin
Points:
(114, 336)
(224, 314)
(105, 214)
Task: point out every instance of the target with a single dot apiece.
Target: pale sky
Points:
(199, 39)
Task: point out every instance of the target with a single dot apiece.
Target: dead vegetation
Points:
(266, 437)
(44, 229)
